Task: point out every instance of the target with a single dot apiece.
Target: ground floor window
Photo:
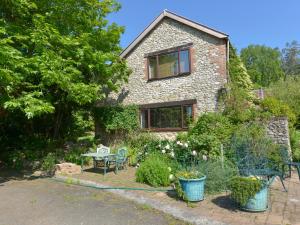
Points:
(172, 116)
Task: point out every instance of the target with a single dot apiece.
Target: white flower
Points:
(171, 177)
(172, 154)
(194, 153)
(167, 147)
(186, 145)
(204, 157)
(163, 151)
(146, 153)
(169, 168)
(178, 142)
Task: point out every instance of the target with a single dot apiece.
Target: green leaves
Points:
(263, 64)
(54, 54)
(30, 104)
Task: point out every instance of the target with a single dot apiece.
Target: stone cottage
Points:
(178, 68)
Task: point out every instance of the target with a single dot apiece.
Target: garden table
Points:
(98, 156)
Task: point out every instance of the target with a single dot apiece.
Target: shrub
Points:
(295, 144)
(209, 132)
(217, 174)
(154, 171)
(48, 164)
(287, 91)
(250, 146)
(278, 108)
(244, 188)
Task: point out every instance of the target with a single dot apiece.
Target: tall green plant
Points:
(57, 56)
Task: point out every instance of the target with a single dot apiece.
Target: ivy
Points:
(117, 118)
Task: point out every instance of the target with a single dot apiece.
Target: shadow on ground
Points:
(225, 202)
(9, 175)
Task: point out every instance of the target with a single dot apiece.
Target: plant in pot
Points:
(190, 185)
(251, 193)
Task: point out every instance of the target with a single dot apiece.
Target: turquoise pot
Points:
(193, 188)
(259, 202)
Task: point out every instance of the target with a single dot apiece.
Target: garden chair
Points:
(287, 161)
(119, 160)
(100, 161)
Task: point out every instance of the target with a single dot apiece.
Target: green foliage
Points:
(117, 118)
(244, 188)
(263, 64)
(295, 144)
(291, 59)
(154, 171)
(278, 108)
(189, 174)
(209, 132)
(56, 57)
(81, 121)
(251, 147)
(239, 105)
(48, 164)
(73, 155)
(287, 91)
(217, 174)
(237, 72)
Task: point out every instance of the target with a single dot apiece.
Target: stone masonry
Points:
(278, 131)
(208, 74)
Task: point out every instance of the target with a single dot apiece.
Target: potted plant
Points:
(251, 193)
(190, 185)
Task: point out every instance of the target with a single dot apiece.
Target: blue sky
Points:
(268, 22)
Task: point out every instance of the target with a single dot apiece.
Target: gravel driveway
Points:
(46, 202)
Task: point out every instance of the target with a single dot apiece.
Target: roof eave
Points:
(175, 17)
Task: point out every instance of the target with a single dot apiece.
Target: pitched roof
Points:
(180, 19)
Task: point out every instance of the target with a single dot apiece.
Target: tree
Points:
(291, 58)
(263, 64)
(237, 72)
(56, 57)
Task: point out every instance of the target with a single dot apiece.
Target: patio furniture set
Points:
(105, 159)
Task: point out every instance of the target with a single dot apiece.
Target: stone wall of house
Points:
(278, 131)
(208, 75)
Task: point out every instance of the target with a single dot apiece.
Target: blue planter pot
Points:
(193, 188)
(259, 202)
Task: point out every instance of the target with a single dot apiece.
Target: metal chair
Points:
(100, 161)
(119, 160)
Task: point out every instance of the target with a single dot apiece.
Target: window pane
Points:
(152, 67)
(187, 115)
(168, 64)
(144, 118)
(166, 117)
(184, 61)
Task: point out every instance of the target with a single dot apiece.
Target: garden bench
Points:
(251, 165)
(287, 161)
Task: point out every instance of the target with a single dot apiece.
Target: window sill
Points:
(169, 77)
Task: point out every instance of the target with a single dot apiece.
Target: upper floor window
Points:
(168, 63)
